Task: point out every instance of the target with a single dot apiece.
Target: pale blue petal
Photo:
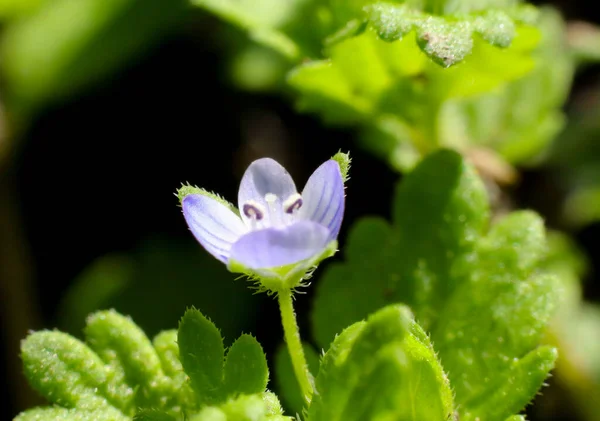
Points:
(213, 224)
(264, 176)
(323, 198)
(272, 247)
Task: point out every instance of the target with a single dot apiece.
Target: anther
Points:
(293, 203)
(253, 210)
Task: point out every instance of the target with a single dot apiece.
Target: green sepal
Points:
(187, 189)
(344, 161)
(285, 277)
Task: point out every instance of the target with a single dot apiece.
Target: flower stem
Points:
(294, 344)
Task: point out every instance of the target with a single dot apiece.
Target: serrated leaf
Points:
(538, 94)
(485, 298)
(287, 384)
(202, 352)
(445, 39)
(136, 378)
(246, 370)
(438, 227)
(374, 369)
(516, 389)
(243, 408)
(64, 370)
(74, 414)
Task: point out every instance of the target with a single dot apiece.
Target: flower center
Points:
(277, 214)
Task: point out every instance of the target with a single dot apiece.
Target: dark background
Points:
(97, 174)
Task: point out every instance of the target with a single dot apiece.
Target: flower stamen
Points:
(253, 210)
(293, 203)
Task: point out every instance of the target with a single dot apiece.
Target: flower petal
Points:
(272, 247)
(213, 224)
(264, 176)
(323, 198)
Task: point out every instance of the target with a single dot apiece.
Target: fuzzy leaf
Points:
(153, 415)
(439, 226)
(246, 370)
(136, 377)
(484, 297)
(73, 414)
(202, 352)
(373, 369)
(64, 370)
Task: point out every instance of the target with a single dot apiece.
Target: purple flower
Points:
(276, 228)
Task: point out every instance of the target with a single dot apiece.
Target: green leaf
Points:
(202, 352)
(68, 44)
(64, 370)
(445, 39)
(485, 298)
(243, 408)
(438, 225)
(246, 370)
(489, 120)
(165, 344)
(287, 384)
(136, 378)
(373, 369)
(74, 414)
(153, 415)
(516, 389)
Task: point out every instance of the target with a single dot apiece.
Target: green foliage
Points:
(483, 296)
(414, 76)
(243, 408)
(446, 40)
(64, 45)
(490, 119)
(397, 97)
(119, 373)
(202, 354)
(384, 368)
(246, 368)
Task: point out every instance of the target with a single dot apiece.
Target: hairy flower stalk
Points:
(276, 235)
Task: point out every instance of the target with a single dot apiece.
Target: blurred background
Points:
(106, 107)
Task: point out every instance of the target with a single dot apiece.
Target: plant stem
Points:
(294, 344)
